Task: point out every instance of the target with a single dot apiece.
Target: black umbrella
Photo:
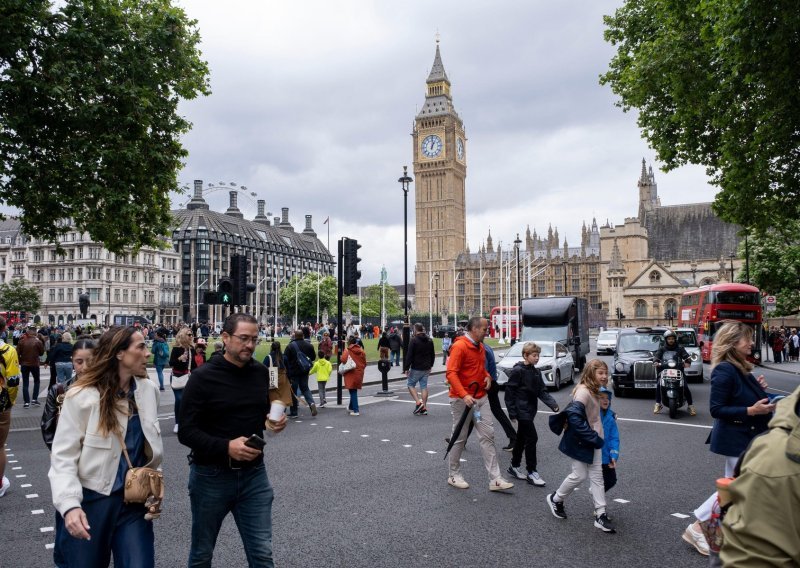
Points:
(457, 430)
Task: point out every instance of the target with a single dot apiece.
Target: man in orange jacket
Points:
(469, 383)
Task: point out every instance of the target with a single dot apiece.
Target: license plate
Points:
(671, 372)
(644, 385)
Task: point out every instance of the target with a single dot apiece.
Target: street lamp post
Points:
(438, 315)
(258, 294)
(405, 181)
(277, 289)
(430, 301)
(732, 255)
(197, 301)
(296, 285)
(517, 243)
(455, 299)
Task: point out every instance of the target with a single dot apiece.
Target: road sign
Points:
(770, 308)
(770, 300)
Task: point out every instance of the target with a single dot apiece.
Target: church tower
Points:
(440, 169)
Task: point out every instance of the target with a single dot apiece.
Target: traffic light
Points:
(210, 298)
(225, 291)
(350, 272)
(619, 313)
(241, 287)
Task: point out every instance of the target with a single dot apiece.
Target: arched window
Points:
(706, 281)
(640, 309)
(671, 308)
(655, 277)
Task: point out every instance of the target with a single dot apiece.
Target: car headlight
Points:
(619, 367)
(546, 368)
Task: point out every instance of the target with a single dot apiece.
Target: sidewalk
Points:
(792, 367)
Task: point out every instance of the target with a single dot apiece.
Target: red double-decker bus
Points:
(703, 309)
(503, 322)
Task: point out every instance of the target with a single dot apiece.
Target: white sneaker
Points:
(354, 413)
(516, 472)
(696, 538)
(175, 429)
(500, 484)
(535, 479)
(5, 485)
(458, 482)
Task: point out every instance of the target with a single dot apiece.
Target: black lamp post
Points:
(565, 275)
(517, 243)
(732, 255)
(405, 181)
(436, 295)
(746, 260)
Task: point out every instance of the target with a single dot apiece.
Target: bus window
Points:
(746, 298)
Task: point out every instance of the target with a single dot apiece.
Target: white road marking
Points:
(664, 422)
(24, 485)
(679, 516)
(21, 476)
(429, 452)
(345, 431)
(50, 546)
(13, 461)
(385, 440)
(37, 512)
(10, 455)
(462, 460)
(406, 445)
(313, 424)
(438, 394)
(32, 496)
(365, 435)
(328, 427)
(46, 529)
(16, 468)
(621, 500)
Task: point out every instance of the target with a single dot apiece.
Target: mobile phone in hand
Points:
(255, 441)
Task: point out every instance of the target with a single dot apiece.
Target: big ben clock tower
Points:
(440, 168)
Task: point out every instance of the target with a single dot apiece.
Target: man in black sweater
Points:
(417, 367)
(225, 402)
(298, 375)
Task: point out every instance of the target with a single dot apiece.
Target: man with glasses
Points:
(224, 403)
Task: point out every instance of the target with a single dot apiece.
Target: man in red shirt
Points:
(469, 383)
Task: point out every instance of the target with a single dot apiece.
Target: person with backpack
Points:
(160, 356)
(298, 356)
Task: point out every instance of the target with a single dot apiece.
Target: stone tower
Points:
(440, 169)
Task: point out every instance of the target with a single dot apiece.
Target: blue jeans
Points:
(178, 396)
(160, 373)
(63, 371)
(115, 528)
(353, 400)
(300, 386)
(247, 493)
(394, 357)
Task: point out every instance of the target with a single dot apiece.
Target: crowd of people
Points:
(101, 406)
(784, 343)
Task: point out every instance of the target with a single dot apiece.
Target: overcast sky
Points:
(313, 104)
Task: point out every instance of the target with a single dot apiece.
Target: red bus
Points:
(503, 322)
(703, 309)
(12, 318)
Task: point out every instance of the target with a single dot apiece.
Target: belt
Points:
(230, 464)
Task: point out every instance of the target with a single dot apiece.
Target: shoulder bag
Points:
(178, 382)
(143, 485)
(348, 365)
(272, 371)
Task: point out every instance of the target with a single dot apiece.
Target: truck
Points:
(558, 318)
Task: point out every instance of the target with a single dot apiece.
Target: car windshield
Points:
(607, 336)
(639, 342)
(516, 349)
(687, 338)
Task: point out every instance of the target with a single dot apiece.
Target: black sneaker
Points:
(26, 405)
(604, 524)
(418, 408)
(35, 403)
(424, 411)
(558, 508)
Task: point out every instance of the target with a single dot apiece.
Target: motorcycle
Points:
(670, 381)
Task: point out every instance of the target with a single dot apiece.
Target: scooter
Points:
(670, 381)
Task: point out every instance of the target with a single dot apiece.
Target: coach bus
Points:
(705, 308)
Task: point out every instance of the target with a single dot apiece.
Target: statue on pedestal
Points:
(83, 303)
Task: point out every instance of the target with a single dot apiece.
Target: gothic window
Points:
(706, 281)
(640, 309)
(655, 278)
(671, 308)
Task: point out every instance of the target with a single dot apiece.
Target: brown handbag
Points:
(143, 485)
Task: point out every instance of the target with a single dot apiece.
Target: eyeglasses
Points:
(246, 338)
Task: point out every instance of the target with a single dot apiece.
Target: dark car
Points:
(443, 330)
(633, 368)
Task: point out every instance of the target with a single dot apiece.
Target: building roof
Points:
(689, 231)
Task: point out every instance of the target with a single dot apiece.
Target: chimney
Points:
(197, 201)
(260, 217)
(276, 221)
(233, 209)
(309, 230)
(285, 224)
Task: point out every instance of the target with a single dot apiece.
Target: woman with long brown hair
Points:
(354, 378)
(111, 403)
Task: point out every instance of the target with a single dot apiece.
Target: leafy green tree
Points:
(775, 264)
(89, 123)
(307, 296)
(371, 302)
(17, 295)
(716, 83)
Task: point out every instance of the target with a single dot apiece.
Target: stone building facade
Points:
(145, 283)
(205, 240)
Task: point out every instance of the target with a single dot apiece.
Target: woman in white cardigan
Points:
(112, 400)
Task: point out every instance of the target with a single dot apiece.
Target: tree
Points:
(89, 128)
(17, 295)
(775, 264)
(307, 296)
(371, 301)
(716, 83)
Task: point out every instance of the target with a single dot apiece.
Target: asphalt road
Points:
(371, 491)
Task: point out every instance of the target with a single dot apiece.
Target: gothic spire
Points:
(643, 179)
(437, 71)
(616, 258)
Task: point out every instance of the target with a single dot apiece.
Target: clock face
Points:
(460, 148)
(432, 146)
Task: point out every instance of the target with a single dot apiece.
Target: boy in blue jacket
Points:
(611, 447)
